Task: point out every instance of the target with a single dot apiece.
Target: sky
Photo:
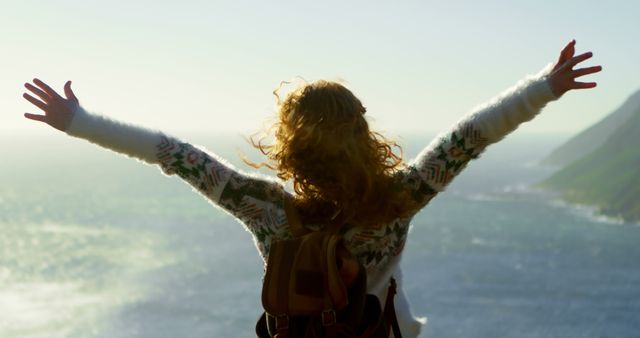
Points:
(212, 65)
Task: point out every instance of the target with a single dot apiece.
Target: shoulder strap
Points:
(293, 218)
(390, 310)
(297, 229)
(335, 223)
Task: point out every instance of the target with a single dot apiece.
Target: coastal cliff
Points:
(607, 176)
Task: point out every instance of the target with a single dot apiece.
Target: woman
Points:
(336, 164)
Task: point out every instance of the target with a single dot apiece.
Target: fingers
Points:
(69, 93)
(35, 117)
(569, 45)
(567, 52)
(46, 88)
(35, 101)
(44, 96)
(58, 111)
(577, 59)
(584, 85)
(563, 76)
(586, 71)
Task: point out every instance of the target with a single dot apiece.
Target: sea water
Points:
(94, 245)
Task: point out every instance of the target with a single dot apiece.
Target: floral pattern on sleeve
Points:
(438, 164)
(254, 201)
(204, 172)
(259, 205)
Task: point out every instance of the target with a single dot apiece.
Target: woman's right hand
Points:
(563, 77)
(58, 111)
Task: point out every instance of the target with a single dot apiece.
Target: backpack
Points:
(305, 295)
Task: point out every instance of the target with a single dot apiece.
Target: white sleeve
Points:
(520, 103)
(449, 153)
(256, 201)
(124, 138)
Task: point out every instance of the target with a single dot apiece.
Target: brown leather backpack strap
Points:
(335, 223)
(293, 218)
(295, 224)
(390, 310)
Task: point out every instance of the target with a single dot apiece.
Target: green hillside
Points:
(593, 137)
(609, 176)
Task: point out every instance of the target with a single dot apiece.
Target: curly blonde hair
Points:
(323, 143)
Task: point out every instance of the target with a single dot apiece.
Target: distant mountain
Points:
(593, 137)
(609, 176)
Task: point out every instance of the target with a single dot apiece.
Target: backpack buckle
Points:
(328, 317)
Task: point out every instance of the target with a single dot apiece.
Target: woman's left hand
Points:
(563, 77)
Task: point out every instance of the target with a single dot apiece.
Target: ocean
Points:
(96, 245)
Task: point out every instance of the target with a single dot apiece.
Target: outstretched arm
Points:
(436, 166)
(255, 201)
(66, 114)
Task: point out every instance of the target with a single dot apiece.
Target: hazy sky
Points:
(212, 65)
